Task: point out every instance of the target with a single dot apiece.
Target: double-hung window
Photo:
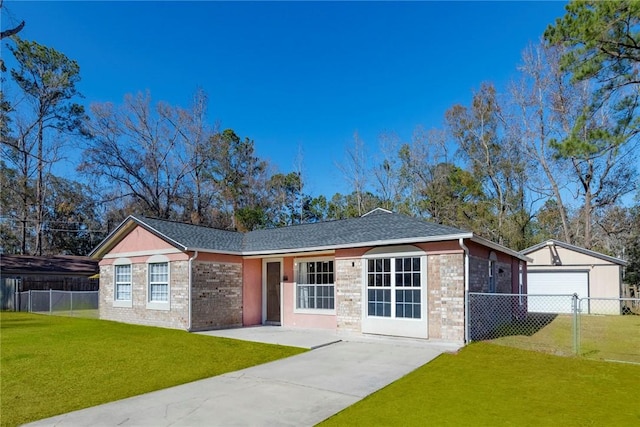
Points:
(315, 285)
(123, 282)
(408, 279)
(159, 282)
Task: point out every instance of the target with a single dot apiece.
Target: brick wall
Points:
(177, 315)
(503, 281)
(348, 288)
(216, 296)
(486, 312)
(479, 275)
(445, 287)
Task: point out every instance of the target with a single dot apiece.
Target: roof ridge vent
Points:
(377, 211)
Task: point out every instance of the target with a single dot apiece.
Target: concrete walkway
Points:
(301, 390)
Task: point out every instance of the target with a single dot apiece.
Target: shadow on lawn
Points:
(531, 324)
(11, 319)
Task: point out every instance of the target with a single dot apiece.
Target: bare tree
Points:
(386, 172)
(537, 120)
(10, 31)
(495, 159)
(194, 135)
(139, 153)
(355, 170)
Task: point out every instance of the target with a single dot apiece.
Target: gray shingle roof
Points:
(377, 227)
(189, 236)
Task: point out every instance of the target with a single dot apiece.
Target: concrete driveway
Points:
(301, 390)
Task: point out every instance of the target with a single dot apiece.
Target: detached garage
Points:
(559, 268)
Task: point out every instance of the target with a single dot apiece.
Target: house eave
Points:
(574, 248)
(212, 251)
(497, 247)
(388, 242)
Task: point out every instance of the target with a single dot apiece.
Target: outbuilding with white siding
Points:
(558, 268)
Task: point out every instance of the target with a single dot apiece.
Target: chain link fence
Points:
(609, 329)
(62, 303)
(600, 328)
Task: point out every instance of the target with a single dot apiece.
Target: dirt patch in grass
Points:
(491, 385)
(51, 365)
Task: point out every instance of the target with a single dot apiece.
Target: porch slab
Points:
(292, 337)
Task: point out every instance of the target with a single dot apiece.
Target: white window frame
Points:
(125, 303)
(393, 325)
(326, 311)
(393, 256)
(158, 305)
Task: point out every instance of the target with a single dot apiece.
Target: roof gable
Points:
(194, 237)
(139, 238)
(567, 246)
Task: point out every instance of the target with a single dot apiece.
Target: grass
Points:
(601, 337)
(491, 385)
(88, 313)
(51, 365)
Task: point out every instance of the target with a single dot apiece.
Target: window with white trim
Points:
(394, 287)
(315, 288)
(159, 282)
(122, 290)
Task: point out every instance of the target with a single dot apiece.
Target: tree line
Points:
(552, 155)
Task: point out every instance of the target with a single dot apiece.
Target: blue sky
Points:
(293, 74)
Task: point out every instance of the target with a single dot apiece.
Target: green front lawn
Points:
(491, 385)
(51, 365)
(601, 337)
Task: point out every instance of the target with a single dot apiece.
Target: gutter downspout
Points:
(466, 289)
(195, 255)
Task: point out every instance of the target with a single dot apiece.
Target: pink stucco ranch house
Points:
(382, 273)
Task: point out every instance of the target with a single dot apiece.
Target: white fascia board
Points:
(589, 252)
(497, 247)
(213, 251)
(115, 236)
(568, 246)
(302, 253)
(363, 244)
(142, 253)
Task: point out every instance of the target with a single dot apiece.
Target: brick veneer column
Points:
(445, 287)
(348, 287)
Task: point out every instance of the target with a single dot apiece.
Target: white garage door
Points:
(555, 283)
